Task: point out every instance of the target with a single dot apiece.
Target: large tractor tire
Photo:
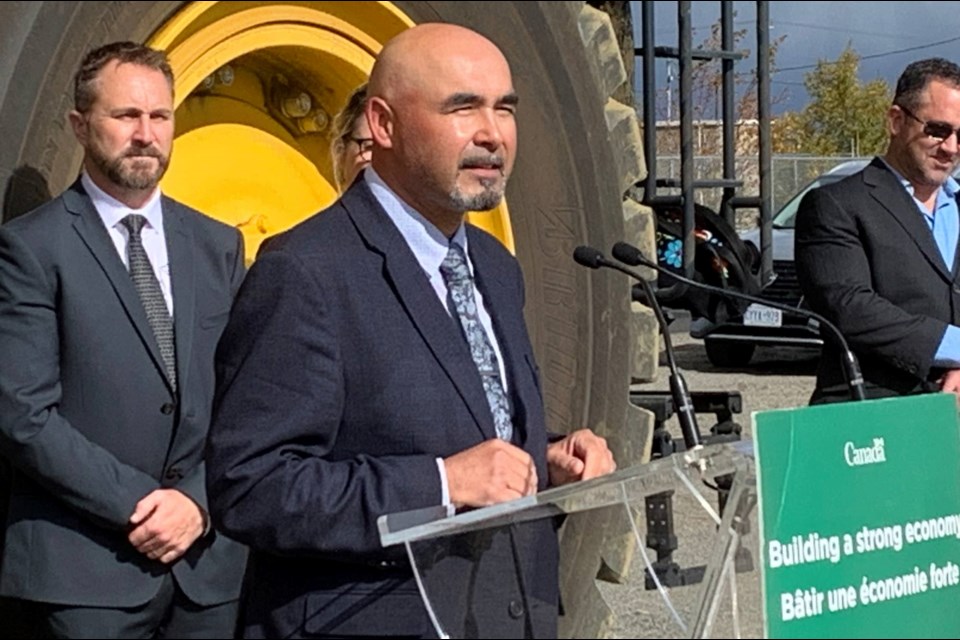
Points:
(252, 151)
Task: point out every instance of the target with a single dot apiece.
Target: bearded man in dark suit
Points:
(877, 251)
(112, 300)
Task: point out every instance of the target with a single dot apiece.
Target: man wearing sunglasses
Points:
(877, 252)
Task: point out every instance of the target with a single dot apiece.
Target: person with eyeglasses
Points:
(877, 252)
(352, 147)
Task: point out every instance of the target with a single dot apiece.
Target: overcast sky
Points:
(887, 35)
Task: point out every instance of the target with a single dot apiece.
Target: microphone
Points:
(628, 254)
(594, 259)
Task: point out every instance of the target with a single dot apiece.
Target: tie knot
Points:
(134, 223)
(454, 265)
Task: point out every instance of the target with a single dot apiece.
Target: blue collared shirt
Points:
(944, 224)
(429, 247)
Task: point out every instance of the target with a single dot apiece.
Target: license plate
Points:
(758, 315)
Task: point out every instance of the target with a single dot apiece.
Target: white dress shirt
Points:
(112, 211)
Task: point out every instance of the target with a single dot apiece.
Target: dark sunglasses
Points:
(933, 128)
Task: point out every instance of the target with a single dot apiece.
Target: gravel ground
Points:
(777, 378)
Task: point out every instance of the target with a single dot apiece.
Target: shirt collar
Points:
(427, 242)
(949, 188)
(112, 211)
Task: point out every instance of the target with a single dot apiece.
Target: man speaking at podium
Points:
(377, 361)
(877, 252)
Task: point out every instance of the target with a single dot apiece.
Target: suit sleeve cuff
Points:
(206, 521)
(445, 488)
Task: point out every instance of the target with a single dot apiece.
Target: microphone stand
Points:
(592, 258)
(661, 536)
(629, 254)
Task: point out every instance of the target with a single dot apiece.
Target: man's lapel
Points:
(506, 317)
(93, 233)
(180, 251)
(886, 189)
(439, 331)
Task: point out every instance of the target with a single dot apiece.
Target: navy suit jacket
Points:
(867, 261)
(87, 416)
(341, 379)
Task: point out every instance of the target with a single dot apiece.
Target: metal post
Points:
(685, 31)
(766, 148)
(649, 102)
(729, 114)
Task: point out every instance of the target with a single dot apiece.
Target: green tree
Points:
(843, 117)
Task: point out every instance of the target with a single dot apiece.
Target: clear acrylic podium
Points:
(723, 544)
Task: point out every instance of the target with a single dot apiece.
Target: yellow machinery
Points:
(257, 86)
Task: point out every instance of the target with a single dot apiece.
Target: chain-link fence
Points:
(789, 175)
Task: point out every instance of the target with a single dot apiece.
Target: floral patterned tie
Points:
(459, 282)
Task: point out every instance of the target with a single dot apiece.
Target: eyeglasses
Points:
(934, 128)
(365, 145)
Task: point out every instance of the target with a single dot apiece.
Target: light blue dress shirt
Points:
(944, 224)
(429, 245)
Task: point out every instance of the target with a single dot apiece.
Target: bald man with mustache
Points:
(377, 361)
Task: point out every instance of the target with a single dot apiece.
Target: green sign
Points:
(860, 518)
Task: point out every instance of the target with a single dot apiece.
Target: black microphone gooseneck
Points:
(594, 259)
(628, 254)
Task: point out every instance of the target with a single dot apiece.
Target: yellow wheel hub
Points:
(258, 84)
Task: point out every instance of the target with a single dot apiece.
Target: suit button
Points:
(515, 609)
(167, 408)
(174, 473)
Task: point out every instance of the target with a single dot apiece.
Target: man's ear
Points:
(79, 124)
(895, 119)
(380, 120)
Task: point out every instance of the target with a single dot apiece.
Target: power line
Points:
(858, 32)
(788, 83)
(873, 56)
(671, 31)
